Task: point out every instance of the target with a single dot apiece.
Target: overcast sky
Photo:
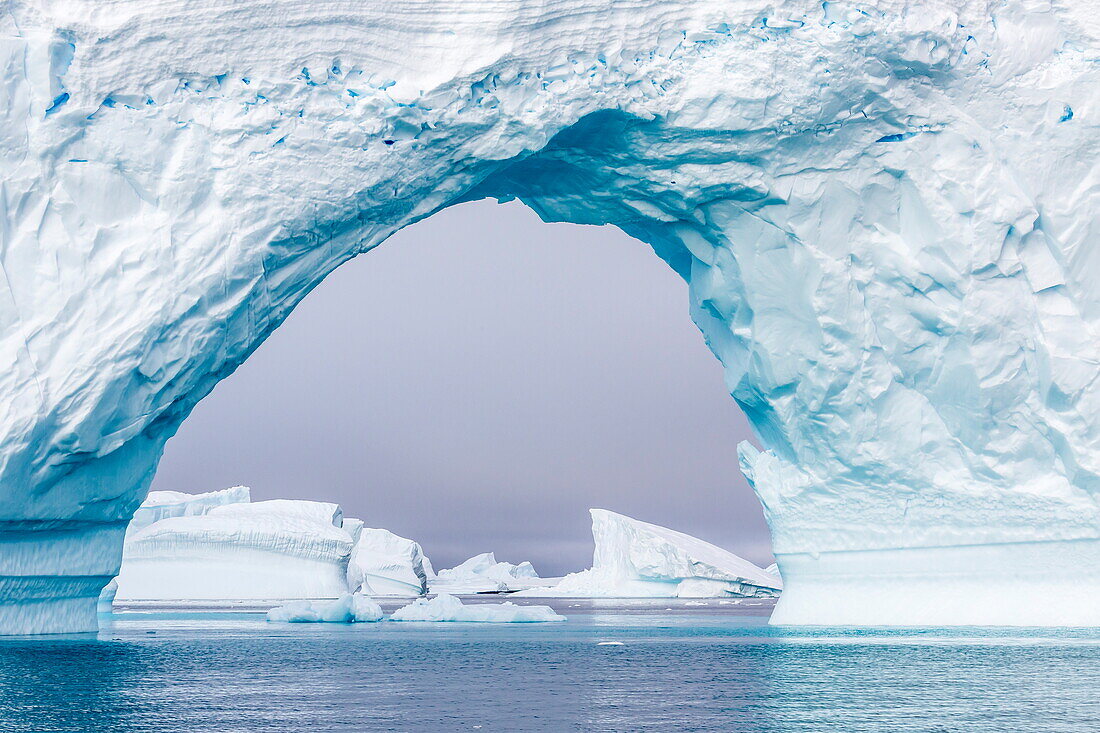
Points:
(477, 383)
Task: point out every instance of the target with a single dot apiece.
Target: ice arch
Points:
(887, 219)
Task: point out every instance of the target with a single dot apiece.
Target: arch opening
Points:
(477, 383)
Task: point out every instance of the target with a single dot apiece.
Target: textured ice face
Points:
(887, 219)
(385, 564)
(638, 559)
(482, 573)
(266, 550)
(160, 505)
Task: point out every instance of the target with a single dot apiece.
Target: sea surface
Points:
(613, 666)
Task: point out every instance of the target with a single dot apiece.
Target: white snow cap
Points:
(160, 505)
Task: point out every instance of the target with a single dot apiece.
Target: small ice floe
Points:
(696, 603)
(348, 608)
(610, 643)
(448, 608)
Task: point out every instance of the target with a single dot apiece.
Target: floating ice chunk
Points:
(388, 565)
(348, 608)
(638, 559)
(364, 609)
(160, 505)
(295, 612)
(448, 608)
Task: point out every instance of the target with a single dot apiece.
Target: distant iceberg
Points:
(483, 574)
(638, 559)
(448, 608)
(348, 608)
(237, 550)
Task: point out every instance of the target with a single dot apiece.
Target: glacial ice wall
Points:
(887, 217)
(264, 550)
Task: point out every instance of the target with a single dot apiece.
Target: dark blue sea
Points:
(670, 666)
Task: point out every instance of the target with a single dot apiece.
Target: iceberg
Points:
(385, 564)
(448, 608)
(263, 550)
(483, 574)
(886, 219)
(348, 608)
(638, 559)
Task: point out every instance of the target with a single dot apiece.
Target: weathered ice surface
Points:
(483, 574)
(635, 559)
(886, 215)
(160, 505)
(264, 550)
(383, 563)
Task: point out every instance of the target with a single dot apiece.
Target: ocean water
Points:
(671, 666)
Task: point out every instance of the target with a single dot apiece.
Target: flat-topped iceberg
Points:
(638, 559)
(348, 608)
(448, 608)
(263, 550)
(382, 563)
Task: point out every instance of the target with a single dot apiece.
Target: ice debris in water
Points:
(448, 608)
(348, 608)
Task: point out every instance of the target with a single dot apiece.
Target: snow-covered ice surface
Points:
(160, 505)
(638, 559)
(886, 214)
(383, 563)
(448, 608)
(268, 549)
(348, 608)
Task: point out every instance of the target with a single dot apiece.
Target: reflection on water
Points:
(706, 668)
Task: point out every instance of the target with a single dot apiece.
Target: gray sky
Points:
(477, 383)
